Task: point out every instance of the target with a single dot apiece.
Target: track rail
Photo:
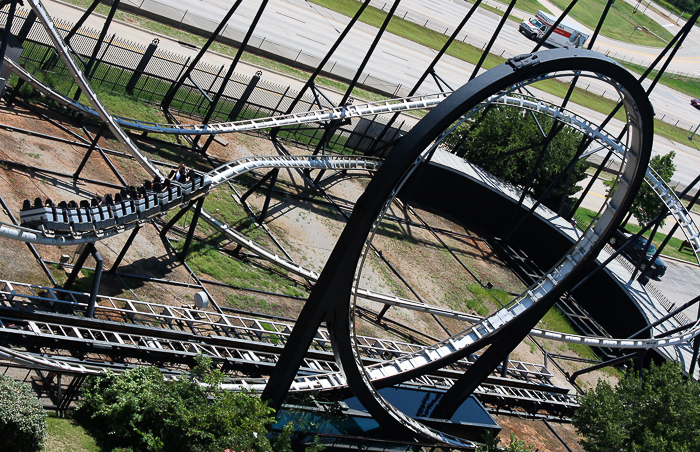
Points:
(314, 116)
(483, 327)
(156, 331)
(127, 215)
(410, 361)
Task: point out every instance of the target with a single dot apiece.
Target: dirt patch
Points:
(555, 437)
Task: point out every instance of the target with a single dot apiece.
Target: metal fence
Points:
(118, 59)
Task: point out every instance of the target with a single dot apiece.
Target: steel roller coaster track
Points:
(336, 290)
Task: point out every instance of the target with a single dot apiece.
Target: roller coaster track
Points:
(418, 362)
(234, 169)
(406, 365)
(155, 331)
(292, 119)
(674, 205)
(487, 326)
(484, 327)
(84, 228)
(62, 50)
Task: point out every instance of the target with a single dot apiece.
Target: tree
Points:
(22, 417)
(142, 410)
(507, 142)
(688, 6)
(658, 412)
(647, 204)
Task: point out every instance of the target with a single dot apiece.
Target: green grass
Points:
(248, 303)
(584, 217)
(117, 103)
(203, 258)
(684, 84)
(274, 338)
(531, 6)
(581, 97)
(499, 12)
(481, 300)
(64, 435)
(677, 134)
(555, 320)
(620, 23)
(224, 207)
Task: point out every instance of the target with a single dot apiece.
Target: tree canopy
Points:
(140, 409)
(688, 6)
(647, 205)
(508, 143)
(658, 412)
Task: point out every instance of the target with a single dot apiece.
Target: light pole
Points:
(690, 138)
(635, 29)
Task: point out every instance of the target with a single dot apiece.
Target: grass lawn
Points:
(687, 85)
(64, 435)
(531, 6)
(622, 23)
(555, 320)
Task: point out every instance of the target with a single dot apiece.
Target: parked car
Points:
(634, 252)
(695, 103)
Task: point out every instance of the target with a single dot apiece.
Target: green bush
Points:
(141, 410)
(656, 411)
(22, 418)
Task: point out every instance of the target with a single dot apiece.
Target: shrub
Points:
(656, 411)
(141, 410)
(22, 417)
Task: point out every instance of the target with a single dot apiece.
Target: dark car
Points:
(634, 252)
(695, 103)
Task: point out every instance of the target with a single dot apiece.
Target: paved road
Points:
(300, 25)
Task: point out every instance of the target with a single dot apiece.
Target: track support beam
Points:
(88, 249)
(124, 250)
(272, 176)
(92, 147)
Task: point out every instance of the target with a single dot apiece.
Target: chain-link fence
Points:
(123, 66)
